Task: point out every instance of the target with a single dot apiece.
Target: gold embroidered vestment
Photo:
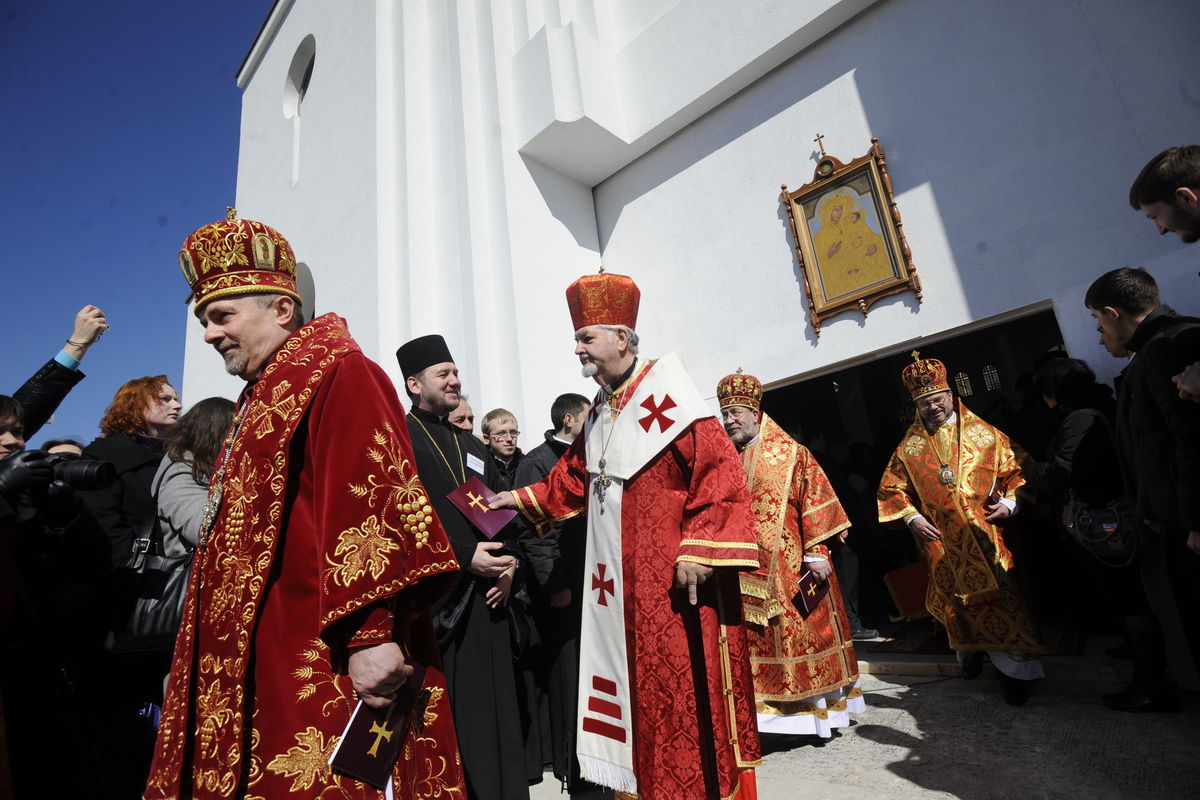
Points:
(795, 512)
(324, 540)
(972, 591)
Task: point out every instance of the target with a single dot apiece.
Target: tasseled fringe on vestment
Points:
(606, 774)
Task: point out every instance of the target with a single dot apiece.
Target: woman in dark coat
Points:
(1081, 456)
(143, 413)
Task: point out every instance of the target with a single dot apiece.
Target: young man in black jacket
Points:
(1158, 440)
(500, 431)
(557, 564)
(1167, 191)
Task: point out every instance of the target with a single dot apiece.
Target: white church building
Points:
(450, 166)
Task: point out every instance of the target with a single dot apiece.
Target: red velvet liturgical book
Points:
(811, 591)
(471, 500)
(372, 740)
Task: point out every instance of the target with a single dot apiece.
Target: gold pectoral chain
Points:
(946, 474)
(462, 476)
(216, 492)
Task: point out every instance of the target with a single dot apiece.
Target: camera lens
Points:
(82, 473)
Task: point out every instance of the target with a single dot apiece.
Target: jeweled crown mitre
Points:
(237, 256)
(740, 389)
(924, 376)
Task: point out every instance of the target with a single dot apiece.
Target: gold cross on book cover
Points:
(472, 500)
(374, 737)
(810, 592)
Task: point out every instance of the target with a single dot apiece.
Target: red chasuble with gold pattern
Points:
(692, 694)
(972, 591)
(324, 540)
(795, 513)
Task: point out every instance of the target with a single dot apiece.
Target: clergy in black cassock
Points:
(480, 623)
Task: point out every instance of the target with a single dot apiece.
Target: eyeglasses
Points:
(504, 435)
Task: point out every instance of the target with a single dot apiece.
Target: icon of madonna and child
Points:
(850, 250)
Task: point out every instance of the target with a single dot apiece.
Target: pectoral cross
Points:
(381, 732)
(211, 507)
(477, 502)
(601, 483)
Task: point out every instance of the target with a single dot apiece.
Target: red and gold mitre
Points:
(235, 257)
(740, 389)
(924, 376)
(603, 299)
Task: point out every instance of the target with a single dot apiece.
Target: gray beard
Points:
(589, 370)
(235, 363)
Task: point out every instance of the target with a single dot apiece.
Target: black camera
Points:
(79, 472)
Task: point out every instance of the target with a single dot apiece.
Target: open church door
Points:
(852, 416)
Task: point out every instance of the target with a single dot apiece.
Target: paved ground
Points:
(934, 737)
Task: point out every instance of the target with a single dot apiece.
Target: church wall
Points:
(1012, 132)
(310, 173)
(461, 161)
(482, 256)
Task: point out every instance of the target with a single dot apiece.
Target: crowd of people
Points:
(655, 588)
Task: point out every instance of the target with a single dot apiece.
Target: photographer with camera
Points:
(53, 559)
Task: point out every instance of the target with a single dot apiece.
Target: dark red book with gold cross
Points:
(472, 500)
(372, 740)
(810, 592)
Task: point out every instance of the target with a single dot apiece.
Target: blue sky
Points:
(118, 136)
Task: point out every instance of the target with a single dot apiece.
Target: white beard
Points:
(589, 370)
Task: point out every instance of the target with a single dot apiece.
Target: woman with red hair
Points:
(143, 413)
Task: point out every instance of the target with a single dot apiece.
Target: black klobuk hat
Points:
(422, 352)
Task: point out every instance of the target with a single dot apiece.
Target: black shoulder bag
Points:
(1107, 532)
(151, 617)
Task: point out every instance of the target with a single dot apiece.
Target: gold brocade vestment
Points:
(795, 513)
(972, 591)
(324, 541)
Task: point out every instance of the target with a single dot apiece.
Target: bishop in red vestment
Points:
(666, 703)
(805, 669)
(318, 557)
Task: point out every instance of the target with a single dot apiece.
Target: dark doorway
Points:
(853, 418)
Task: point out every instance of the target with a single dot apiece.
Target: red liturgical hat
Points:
(603, 299)
(235, 257)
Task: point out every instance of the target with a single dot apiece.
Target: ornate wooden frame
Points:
(851, 290)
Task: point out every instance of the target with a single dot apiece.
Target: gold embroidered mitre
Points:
(235, 257)
(740, 389)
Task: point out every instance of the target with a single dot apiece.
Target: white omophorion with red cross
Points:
(662, 406)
